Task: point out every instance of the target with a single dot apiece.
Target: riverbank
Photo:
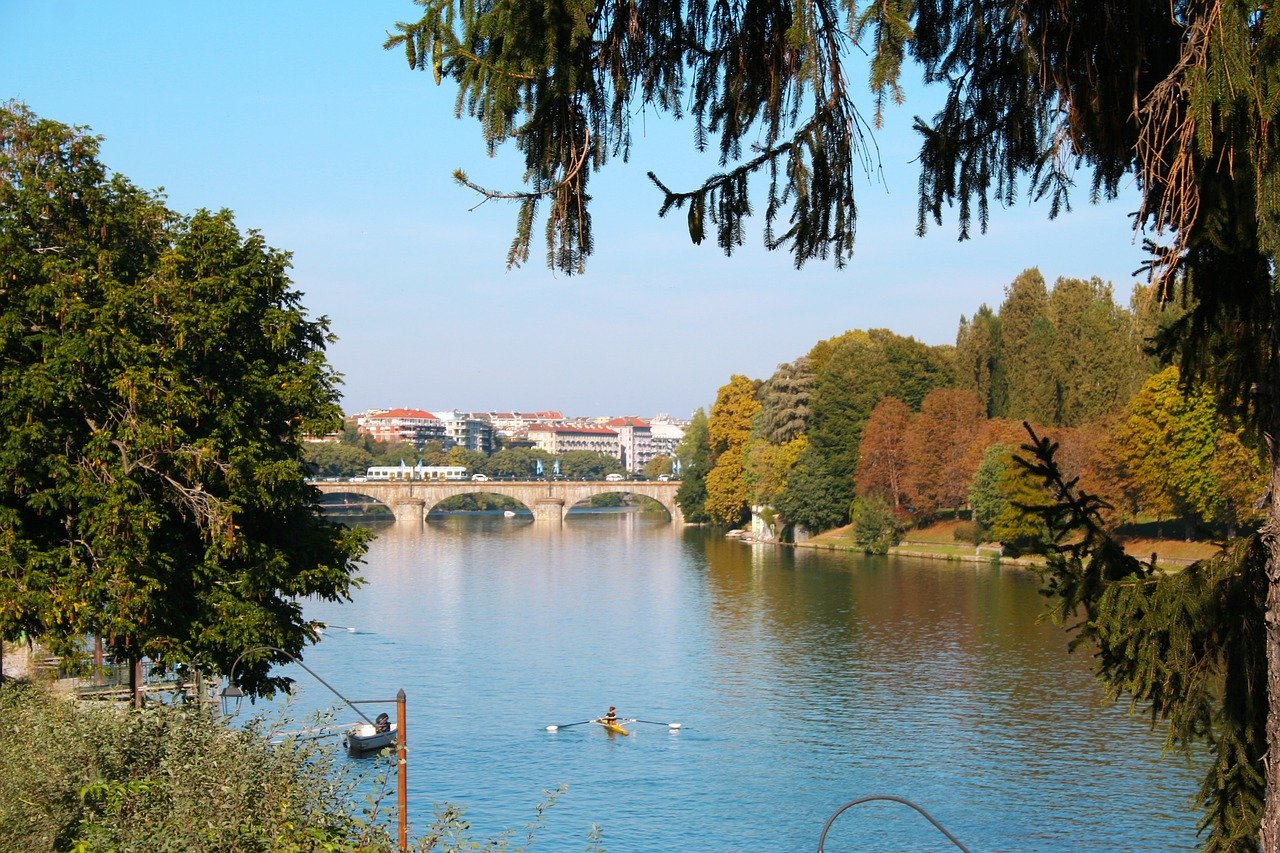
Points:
(938, 542)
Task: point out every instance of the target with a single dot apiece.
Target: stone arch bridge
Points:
(549, 501)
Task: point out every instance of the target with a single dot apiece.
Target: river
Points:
(801, 679)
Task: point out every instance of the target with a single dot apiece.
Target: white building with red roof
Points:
(635, 442)
(560, 439)
(412, 425)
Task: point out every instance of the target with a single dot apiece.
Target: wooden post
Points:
(136, 682)
(402, 773)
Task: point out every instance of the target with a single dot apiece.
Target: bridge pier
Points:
(549, 510)
(409, 510)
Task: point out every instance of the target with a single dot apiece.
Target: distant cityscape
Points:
(632, 440)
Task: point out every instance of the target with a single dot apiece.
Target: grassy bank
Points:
(938, 541)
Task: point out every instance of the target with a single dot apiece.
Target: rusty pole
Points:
(402, 772)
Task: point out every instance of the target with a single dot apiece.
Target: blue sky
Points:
(293, 116)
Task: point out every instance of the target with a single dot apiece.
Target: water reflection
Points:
(803, 679)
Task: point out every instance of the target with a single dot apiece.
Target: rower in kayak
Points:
(611, 724)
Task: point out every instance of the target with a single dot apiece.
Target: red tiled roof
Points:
(628, 421)
(573, 430)
(404, 413)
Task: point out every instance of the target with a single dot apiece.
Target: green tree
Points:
(784, 401)
(157, 374)
(858, 370)
(1020, 524)
(1096, 369)
(768, 466)
(729, 432)
(875, 527)
(1027, 347)
(394, 452)
(335, 459)
(588, 465)
(980, 362)
(1181, 457)
(694, 455)
(985, 495)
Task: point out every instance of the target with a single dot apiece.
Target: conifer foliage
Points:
(564, 78)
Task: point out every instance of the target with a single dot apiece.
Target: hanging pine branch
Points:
(1187, 647)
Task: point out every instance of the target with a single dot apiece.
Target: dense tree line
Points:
(922, 430)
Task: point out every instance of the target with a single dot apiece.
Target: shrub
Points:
(83, 778)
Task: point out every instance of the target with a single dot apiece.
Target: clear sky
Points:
(292, 115)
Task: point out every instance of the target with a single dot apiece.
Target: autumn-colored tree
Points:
(882, 457)
(1241, 482)
(768, 466)
(1165, 444)
(729, 433)
(1020, 524)
(941, 450)
(858, 369)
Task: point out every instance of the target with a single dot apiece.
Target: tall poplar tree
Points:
(980, 361)
(729, 433)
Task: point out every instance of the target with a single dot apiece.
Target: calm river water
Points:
(802, 679)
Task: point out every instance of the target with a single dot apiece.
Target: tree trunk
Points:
(1270, 834)
(1270, 831)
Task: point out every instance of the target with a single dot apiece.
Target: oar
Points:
(672, 726)
(567, 725)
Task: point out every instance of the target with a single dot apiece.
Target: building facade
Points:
(412, 425)
(561, 439)
(635, 442)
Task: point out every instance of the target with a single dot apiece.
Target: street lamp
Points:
(823, 837)
(233, 691)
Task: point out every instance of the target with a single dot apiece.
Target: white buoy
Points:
(553, 728)
(673, 726)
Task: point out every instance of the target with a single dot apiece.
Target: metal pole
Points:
(402, 773)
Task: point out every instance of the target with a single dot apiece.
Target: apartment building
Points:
(635, 442)
(466, 430)
(559, 439)
(413, 425)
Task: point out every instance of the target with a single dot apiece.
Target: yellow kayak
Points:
(612, 728)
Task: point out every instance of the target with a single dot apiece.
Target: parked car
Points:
(479, 478)
(662, 478)
(613, 478)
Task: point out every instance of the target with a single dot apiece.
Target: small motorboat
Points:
(368, 737)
